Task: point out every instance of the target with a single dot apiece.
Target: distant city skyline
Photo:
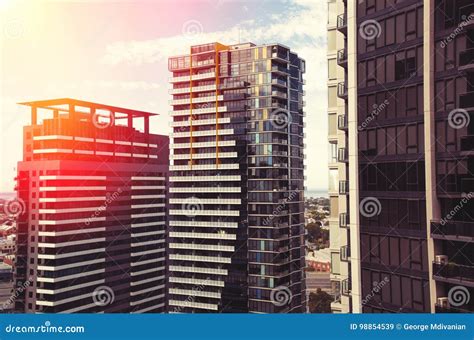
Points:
(120, 58)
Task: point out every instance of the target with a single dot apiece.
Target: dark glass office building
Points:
(409, 95)
(236, 183)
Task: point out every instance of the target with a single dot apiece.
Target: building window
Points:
(332, 96)
(332, 40)
(332, 10)
(332, 69)
(405, 67)
(332, 120)
(332, 152)
(335, 263)
(334, 206)
(333, 180)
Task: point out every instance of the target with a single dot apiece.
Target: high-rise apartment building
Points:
(408, 91)
(338, 157)
(91, 237)
(236, 230)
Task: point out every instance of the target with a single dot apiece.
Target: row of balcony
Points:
(454, 272)
(463, 231)
(445, 308)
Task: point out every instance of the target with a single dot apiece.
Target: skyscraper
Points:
(338, 157)
(409, 101)
(91, 234)
(236, 185)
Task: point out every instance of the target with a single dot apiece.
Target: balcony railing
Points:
(342, 23)
(234, 84)
(342, 155)
(346, 287)
(450, 309)
(454, 272)
(453, 228)
(466, 60)
(342, 57)
(343, 187)
(345, 253)
(279, 55)
(344, 220)
(276, 68)
(279, 94)
(235, 96)
(279, 105)
(279, 82)
(342, 122)
(237, 107)
(342, 90)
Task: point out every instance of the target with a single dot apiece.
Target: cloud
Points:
(124, 85)
(301, 26)
(304, 22)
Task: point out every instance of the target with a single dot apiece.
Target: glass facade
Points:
(238, 163)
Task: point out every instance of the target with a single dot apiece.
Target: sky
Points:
(115, 52)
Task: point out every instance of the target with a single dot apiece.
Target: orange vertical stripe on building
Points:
(190, 108)
(217, 106)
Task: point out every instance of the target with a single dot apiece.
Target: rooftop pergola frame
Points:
(79, 109)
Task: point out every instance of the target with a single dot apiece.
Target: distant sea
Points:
(307, 193)
(7, 195)
(315, 193)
